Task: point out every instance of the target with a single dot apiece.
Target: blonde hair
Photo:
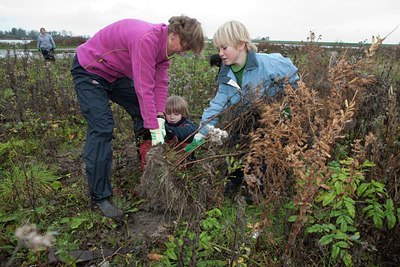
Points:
(233, 33)
(190, 32)
(177, 104)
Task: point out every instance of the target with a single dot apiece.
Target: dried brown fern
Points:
(300, 145)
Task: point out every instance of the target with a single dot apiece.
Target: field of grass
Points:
(329, 196)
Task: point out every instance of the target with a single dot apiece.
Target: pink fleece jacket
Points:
(135, 49)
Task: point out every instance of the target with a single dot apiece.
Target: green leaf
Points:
(326, 239)
(335, 251)
(338, 187)
(171, 254)
(343, 176)
(355, 237)
(292, 218)
(340, 219)
(316, 228)
(351, 228)
(132, 210)
(391, 219)
(89, 225)
(361, 189)
(378, 209)
(328, 198)
(56, 185)
(207, 263)
(377, 219)
(342, 244)
(76, 222)
(348, 219)
(368, 163)
(65, 220)
(346, 257)
(331, 227)
(343, 226)
(389, 204)
(338, 204)
(347, 161)
(335, 213)
(342, 236)
(398, 214)
(351, 209)
(367, 209)
(4, 218)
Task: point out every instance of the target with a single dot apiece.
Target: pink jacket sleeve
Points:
(150, 76)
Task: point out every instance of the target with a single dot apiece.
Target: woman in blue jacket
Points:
(46, 44)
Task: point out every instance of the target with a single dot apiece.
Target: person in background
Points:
(242, 74)
(178, 126)
(46, 45)
(126, 62)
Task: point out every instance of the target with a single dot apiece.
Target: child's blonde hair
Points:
(232, 33)
(177, 104)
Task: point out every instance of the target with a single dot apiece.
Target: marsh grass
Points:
(343, 99)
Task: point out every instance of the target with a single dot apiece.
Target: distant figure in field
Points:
(46, 44)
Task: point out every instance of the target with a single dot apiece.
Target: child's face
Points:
(173, 117)
(233, 55)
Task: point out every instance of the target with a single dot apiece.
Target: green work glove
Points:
(158, 135)
(198, 140)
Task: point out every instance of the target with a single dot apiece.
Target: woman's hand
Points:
(158, 135)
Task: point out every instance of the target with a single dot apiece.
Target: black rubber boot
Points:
(109, 210)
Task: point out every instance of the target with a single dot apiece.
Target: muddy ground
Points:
(147, 224)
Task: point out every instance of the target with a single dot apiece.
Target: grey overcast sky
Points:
(334, 20)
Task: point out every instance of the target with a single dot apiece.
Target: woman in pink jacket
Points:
(127, 63)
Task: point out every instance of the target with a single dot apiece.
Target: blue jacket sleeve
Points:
(222, 100)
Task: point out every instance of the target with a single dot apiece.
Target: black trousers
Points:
(94, 94)
(48, 54)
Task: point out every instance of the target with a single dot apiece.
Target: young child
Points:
(178, 126)
(177, 123)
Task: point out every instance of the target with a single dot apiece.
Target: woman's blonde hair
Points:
(177, 104)
(233, 33)
(190, 32)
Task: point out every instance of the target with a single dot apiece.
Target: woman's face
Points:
(232, 55)
(174, 45)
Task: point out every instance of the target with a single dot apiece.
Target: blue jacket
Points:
(265, 71)
(181, 130)
(45, 42)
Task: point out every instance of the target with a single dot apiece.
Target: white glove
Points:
(158, 135)
(199, 136)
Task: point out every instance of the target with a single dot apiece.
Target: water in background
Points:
(15, 41)
(59, 53)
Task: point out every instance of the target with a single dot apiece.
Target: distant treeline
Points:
(20, 34)
(61, 38)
